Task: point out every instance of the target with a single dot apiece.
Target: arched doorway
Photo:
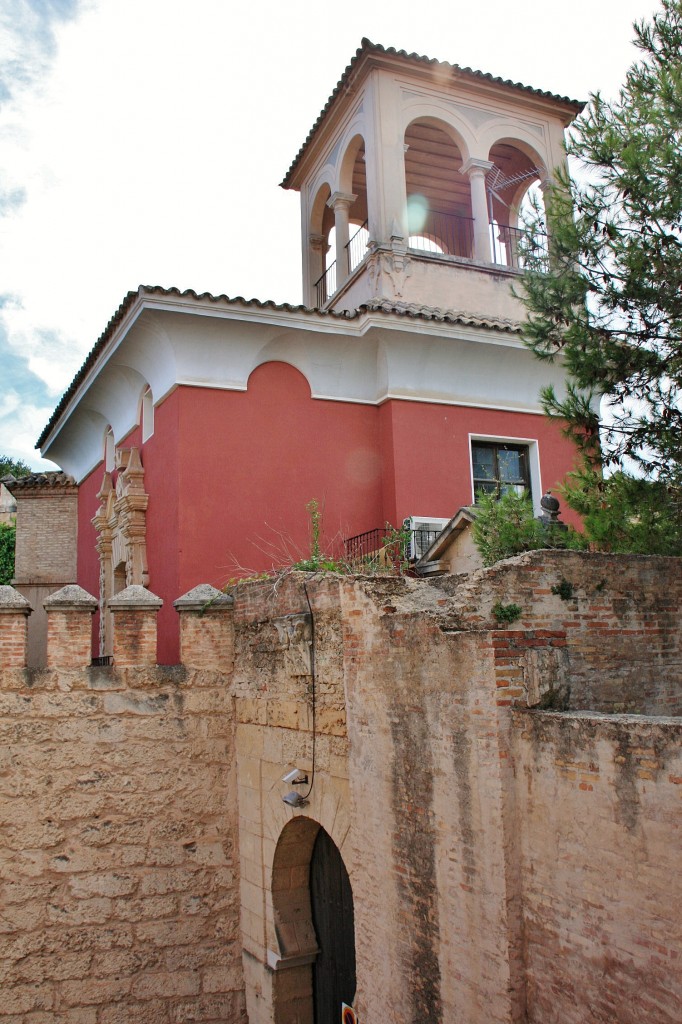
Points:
(314, 926)
(331, 900)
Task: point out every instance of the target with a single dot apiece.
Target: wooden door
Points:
(332, 906)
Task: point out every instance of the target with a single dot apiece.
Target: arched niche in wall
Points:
(147, 413)
(439, 212)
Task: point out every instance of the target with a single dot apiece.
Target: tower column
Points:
(476, 169)
(340, 203)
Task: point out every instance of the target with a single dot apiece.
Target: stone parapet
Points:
(69, 627)
(14, 613)
(134, 613)
(206, 628)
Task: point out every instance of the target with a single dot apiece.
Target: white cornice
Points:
(167, 340)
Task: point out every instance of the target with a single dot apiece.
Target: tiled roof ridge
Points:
(454, 316)
(400, 309)
(367, 46)
(49, 478)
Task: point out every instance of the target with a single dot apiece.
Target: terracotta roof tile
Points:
(38, 481)
(366, 47)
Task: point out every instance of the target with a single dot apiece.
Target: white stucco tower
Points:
(411, 181)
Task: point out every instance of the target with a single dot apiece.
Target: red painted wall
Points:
(252, 460)
(431, 450)
(229, 474)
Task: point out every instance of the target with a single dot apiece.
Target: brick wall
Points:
(47, 533)
(423, 788)
(606, 627)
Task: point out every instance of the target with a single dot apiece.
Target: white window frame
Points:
(531, 443)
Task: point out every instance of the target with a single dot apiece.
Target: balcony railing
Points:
(325, 286)
(443, 233)
(327, 283)
(447, 235)
(385, 546)
(357, 247)
(509, 246)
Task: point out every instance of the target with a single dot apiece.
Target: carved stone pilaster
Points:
(121, 524)
(388, 273)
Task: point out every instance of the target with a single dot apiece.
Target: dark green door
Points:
(332, 905)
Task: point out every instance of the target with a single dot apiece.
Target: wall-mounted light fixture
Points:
(294, 799)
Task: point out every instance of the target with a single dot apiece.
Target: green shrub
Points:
(507, 526)
(7, 539)
(625, 514)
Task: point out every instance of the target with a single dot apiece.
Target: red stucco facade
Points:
(229, 473)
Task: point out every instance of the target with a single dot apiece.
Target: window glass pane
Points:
(484, 462)
(511, 466)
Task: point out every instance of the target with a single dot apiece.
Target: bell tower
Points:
(412, 181)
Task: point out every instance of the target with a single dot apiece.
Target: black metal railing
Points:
(105, 659)
(356, 247)
(448, 234)
(325, 286)
(510, 247)
(386, 545)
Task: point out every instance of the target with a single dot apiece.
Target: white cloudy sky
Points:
(142, 142)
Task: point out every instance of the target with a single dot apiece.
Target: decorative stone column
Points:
(69, 627)
(206, 628)
(134, 613)
(340, 203)
(477, 169)
(14, 613)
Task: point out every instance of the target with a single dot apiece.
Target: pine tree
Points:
(610, 305)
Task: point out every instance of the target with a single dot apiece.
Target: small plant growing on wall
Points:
(507, 612)
(564, 589)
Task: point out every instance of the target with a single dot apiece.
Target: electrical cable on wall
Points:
(312, 683)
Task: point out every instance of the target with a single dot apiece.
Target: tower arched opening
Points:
(439, 212)
(513, 188)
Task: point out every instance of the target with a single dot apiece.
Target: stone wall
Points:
(119, 867)
(598, 799)
(508, 865)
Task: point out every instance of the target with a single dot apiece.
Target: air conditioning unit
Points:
(423, 532)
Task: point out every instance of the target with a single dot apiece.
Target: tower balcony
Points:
(441, 259)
